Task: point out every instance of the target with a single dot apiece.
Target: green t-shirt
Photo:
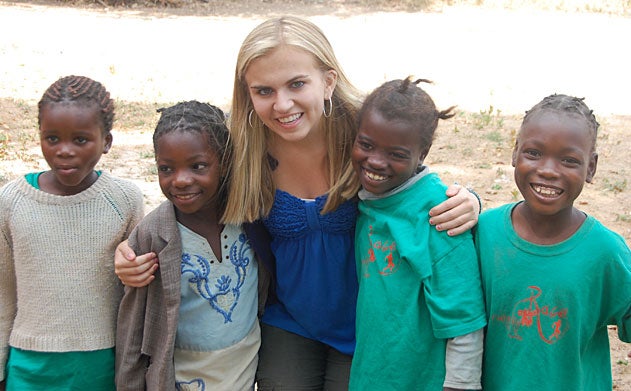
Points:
(417, 287)
(33, 178)
(549, 306)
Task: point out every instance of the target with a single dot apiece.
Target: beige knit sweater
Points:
(58, 290)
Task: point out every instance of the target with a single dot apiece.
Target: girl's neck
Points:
(206, 224)
(303, 169)
(546, 229)
(314, 142)
(48, 183)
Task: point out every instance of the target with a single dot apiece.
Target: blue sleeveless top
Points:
(316, 279)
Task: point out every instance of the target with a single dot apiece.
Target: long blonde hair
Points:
(252, 189)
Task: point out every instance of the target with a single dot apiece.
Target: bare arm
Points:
(132, 270)
(457, 214)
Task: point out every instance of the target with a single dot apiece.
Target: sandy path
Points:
(477, 58)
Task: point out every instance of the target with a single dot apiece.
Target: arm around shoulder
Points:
(457, 214)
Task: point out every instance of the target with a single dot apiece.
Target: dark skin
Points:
(553, 157)
(72, 142)
(206, 226)
(189, 174)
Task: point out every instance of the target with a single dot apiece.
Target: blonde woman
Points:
(293, 122)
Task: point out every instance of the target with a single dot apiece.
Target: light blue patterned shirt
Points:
(219, 297)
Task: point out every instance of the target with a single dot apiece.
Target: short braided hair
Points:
(194, 116)
(80, 90)
(403, 100)
(206, 120)
(565, 104)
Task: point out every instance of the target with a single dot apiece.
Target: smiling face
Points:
(553, 157)
(189, 172)
(72, 142)
(288, 91)
(386, 153)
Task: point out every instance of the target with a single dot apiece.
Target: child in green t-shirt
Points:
(420, 310)
(553, 277)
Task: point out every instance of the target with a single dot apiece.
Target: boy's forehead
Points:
(565, 128)
(551, 121)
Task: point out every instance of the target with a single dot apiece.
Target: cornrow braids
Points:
(204, 119)
(80, 90)
(403, 100)
(194, 116)
(565, 104)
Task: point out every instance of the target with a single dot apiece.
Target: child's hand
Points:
(132, 270)
(457, 214)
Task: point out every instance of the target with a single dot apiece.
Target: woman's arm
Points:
(457, 214)
(132, 270)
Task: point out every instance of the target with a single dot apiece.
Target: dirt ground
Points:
(494, 63)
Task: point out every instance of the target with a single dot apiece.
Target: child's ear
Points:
(591, 169)
(108, 143)
(423, 155)
(514, 158)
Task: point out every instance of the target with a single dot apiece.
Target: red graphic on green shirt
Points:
(551, 322)
(383, 250)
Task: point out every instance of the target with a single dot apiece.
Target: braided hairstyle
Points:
(568, 105)
(404, 101)
(80, 90)
(206, 120)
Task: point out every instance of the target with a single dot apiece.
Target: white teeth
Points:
(291, 118)
(546, 191)
(374, 177)
(185, 196)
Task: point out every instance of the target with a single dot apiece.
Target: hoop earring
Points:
(330, 108)
(250, 118)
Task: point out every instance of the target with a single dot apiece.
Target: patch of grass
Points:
(495, 136)
(483, 166)
(133, 115)
(615, 186)
(151, 171)
(626, 218)
(4, 144)
(147, 154)
(491, 117)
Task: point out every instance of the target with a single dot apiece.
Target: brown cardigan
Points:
(148, 316)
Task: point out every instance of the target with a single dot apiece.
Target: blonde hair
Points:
(252, 189)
